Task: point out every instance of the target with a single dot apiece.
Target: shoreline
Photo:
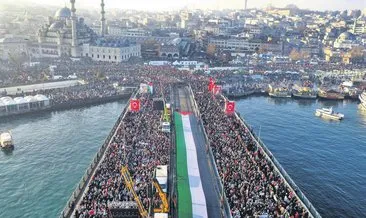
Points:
(72, 105)
(259, 94)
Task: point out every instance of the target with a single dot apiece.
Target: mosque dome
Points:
(63, 13)
(346, 36)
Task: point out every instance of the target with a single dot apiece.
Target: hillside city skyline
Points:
(161, 5)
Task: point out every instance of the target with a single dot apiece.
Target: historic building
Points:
(67, 35)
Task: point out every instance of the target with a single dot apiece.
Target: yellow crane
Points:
(164, 208)
(129, 183)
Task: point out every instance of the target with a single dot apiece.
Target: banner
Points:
(229, 107)
(150, 87)
(134, 105)
(191, 196)
(216, 89)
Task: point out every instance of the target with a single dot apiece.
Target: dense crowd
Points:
(80, 93)
(252, 186)
(138, 144)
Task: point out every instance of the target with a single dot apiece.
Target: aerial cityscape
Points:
(212, 108)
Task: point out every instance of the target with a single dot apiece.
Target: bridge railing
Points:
(308, 205)
(212, 164)
(80, 189)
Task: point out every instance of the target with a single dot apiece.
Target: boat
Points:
(240, 94)
(331, 94)
(6, 140)
(362, 98)
(305, 93)
(328, 113)
(279, 92)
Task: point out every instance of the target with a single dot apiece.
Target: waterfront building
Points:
(111, 51)
(12, 47)
(241, 45)
(20, 105)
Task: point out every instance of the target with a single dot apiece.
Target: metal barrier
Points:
(311, 209)
(314, 213)
(220, 188)
(79, 190)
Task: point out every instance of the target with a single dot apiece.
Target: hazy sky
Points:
(212, 4)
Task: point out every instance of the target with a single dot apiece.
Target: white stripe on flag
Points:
(199, 208)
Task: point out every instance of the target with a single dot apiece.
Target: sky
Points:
(154, 5)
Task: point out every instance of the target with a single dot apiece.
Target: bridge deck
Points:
(183, 101)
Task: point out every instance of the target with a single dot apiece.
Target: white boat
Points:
(329, 113)
(362, 98)
(6, 140)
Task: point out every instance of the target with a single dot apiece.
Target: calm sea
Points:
(326, 159)
(52, 152)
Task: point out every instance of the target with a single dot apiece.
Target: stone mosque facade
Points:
(66, 35)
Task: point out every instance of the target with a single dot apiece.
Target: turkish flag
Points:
(211, 84)
(134, 105)
(230, 107)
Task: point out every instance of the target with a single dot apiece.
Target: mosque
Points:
(66, 35)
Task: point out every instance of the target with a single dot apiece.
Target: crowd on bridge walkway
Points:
(252, 186)
(139, 144)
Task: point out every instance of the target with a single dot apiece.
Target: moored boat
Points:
(6, 140)
(331, 94)
(328, 113)
(362, 98)
(279, 92)
(305, 93)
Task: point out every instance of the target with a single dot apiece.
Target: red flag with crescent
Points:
(211, 84)
(134, 104)
(230, 107)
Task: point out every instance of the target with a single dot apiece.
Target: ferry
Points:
(6, 140)
(328, 113)
(362, 98)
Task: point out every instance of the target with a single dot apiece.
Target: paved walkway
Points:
(41, 86)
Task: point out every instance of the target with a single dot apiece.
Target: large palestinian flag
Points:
(191, 196)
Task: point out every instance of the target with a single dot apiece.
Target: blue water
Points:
(326, 159)
(52, 152)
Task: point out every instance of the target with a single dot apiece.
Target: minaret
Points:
(74, 41)
(246, 4)
(102, 20)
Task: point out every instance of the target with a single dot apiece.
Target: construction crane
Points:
(129, 183)
(164, 208)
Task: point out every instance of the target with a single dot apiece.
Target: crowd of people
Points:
(252, 186)
(138, 144)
